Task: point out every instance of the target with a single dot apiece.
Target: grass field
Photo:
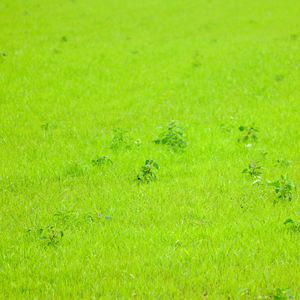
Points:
(86, 87)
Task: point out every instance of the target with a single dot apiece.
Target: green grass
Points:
(73, 71)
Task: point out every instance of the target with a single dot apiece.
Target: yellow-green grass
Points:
(71, 72)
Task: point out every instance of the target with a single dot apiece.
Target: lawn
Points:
(149, 149)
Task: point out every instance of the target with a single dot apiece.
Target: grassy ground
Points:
(73, 71)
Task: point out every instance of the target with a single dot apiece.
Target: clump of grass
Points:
(294, 37)
(248, 134)
(148, 171)
(283, 188)
(45, 126)
(227, 128)
(63, 216)
(172, 136)
(102, 161)
(279, 77)
(74, 169)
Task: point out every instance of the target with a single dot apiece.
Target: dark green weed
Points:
(283, 188)
(279, 77)
(148, 172)
(49, 235)
(253, 169)
(283, 163)
(248, 134)
(120, 139)
(92, 218)
(172, 136)
(74, 169)
(293, 225)
(281, 294)
(102, 161)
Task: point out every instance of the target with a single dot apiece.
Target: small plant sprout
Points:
(74, 169)
(49, 235)
(63, 216)
(283, 188)
(279, 77)
(173, 136)
(254, 170)
(120, 139)
(101, 216)
(102, 161)
(280, 294)
(148, 172)
(137, 142)
(294, 37)
(226, 128)
(94, 217)
(293, 225)
(283, 163)
(249, 134)
(263, 155)
(45, 126)
(64, 39)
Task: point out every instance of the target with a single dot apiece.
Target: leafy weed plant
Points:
(283, 163)
(293, 225)
(254, 170)
(74, 169)
(173, 136)
(283, 188)
(249, 134)
(49, 235)
(120, 139)
(281, 294)
(102, 161)
(92, 218)
(148, 172)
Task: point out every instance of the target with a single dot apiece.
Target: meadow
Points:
(149, 149)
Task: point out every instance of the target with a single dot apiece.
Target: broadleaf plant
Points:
(293, 225)
(102, 161)
(254, 170)
(283, 188)
(120, 139)
(148, 171)
(249, 134)
(172, 136)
